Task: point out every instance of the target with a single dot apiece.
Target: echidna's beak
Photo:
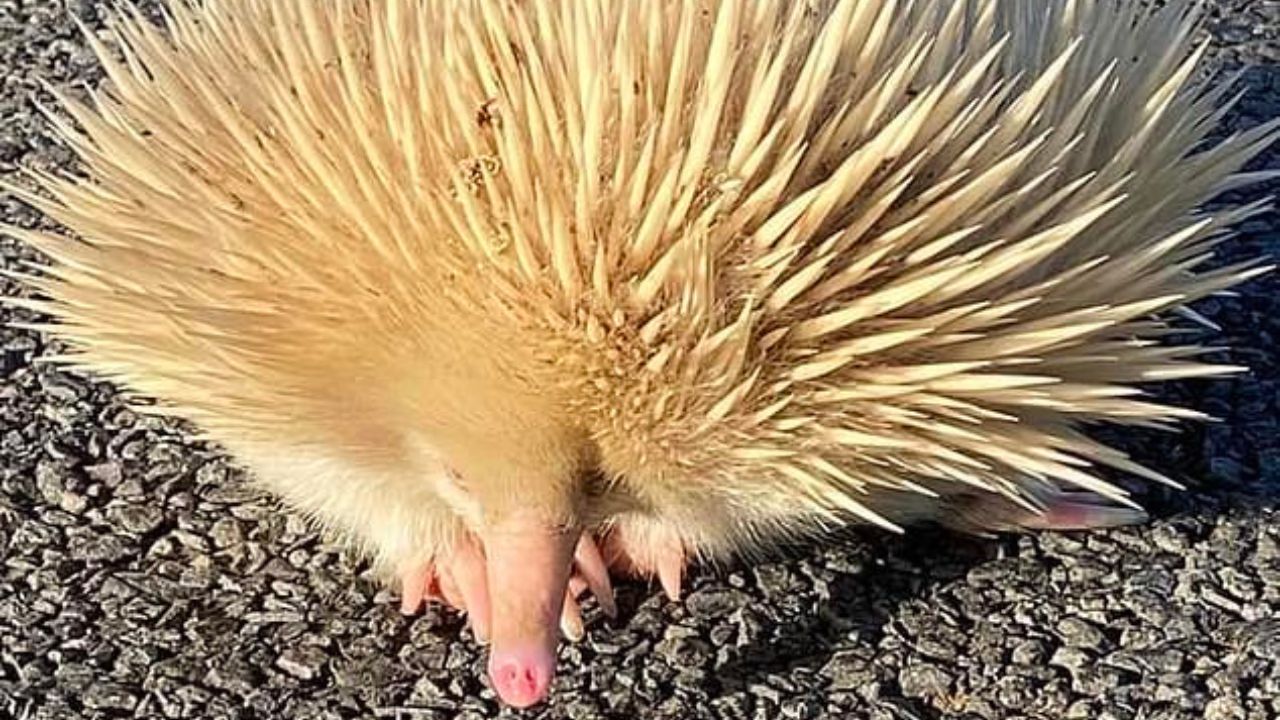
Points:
(529, 564)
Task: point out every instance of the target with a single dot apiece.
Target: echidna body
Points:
(478, 283)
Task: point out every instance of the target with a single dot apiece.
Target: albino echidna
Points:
(509, 292)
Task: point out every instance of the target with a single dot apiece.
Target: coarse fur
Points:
(724, 271)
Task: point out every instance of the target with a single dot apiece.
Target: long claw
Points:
(413, 585)
(571, 620)
(467, 567)
(671, 572)
(590, 563)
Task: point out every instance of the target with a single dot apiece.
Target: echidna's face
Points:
(511, 572)
(537, 541)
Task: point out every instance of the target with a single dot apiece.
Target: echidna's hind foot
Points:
(1063, 511)
(1082, 511)
(647, 551)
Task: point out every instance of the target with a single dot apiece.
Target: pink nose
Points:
(522, 676)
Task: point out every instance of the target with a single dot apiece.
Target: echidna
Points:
(512, 291)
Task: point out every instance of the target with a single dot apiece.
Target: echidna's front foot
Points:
(647, 551)
(456, 578)
(459, 579)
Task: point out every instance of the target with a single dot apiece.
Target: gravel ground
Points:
(141, 579)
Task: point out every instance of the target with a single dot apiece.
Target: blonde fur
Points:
(752, 267)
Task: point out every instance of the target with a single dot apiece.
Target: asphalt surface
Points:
(139, 577)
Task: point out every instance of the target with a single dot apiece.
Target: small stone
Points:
(925, 681)
(50, 481)
(62, 388)
(108, 473)
(235, 675)
(302, 663)
(226, 533)
(1016, 692)
(801, 708)
(848, 671)
(74, 503)
(191, 541)
(1080, 710)
(1029, 652)
(735, 706)
(135, 518)
(109, 696)
(1070, 658)
(713, 602)
(1080, 633)
(1223, 709)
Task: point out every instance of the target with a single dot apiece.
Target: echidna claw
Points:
(671, 573)
(590, 567)
(414, 581)
(571, 625)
